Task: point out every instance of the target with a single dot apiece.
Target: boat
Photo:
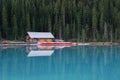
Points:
(56, 43)
(83, 44)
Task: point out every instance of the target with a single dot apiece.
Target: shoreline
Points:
(79, 43)
(103, 43)
(16, 43)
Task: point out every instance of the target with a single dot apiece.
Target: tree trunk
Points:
(105, 32)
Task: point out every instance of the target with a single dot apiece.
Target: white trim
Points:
(40, 53)
(40, 34)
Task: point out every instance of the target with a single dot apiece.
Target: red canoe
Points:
(55, 43)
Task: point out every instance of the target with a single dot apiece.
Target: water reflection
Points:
(42, 50)
(69, 63)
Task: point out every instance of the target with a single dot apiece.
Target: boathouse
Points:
(39, 36)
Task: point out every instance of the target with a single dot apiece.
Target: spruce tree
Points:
(15, 27)
(33, 24)
(94, 22)
(28, 27)
(49, 24)
(5, 22)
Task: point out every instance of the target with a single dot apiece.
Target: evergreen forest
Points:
(70, 20)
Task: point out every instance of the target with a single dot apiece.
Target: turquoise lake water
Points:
(68, 63)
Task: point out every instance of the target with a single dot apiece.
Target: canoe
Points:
(55, 43)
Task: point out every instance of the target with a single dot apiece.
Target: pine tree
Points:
(118, 26)
(105, 32)
(49, 24)
(63, 19)
(83, 35)
(15, 27)
(94, 22)
(101, 19)
(79, 22)
(33, 24)
(28, 27)
(67, 32)
(5, 22)
(60, 28)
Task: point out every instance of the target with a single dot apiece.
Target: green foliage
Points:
(80, 20)
(15, 27)
(5, 27)
(28, 26)
(94, 22)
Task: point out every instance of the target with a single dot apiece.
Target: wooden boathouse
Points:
(39, 36)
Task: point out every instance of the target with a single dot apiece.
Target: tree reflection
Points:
(69, 63)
